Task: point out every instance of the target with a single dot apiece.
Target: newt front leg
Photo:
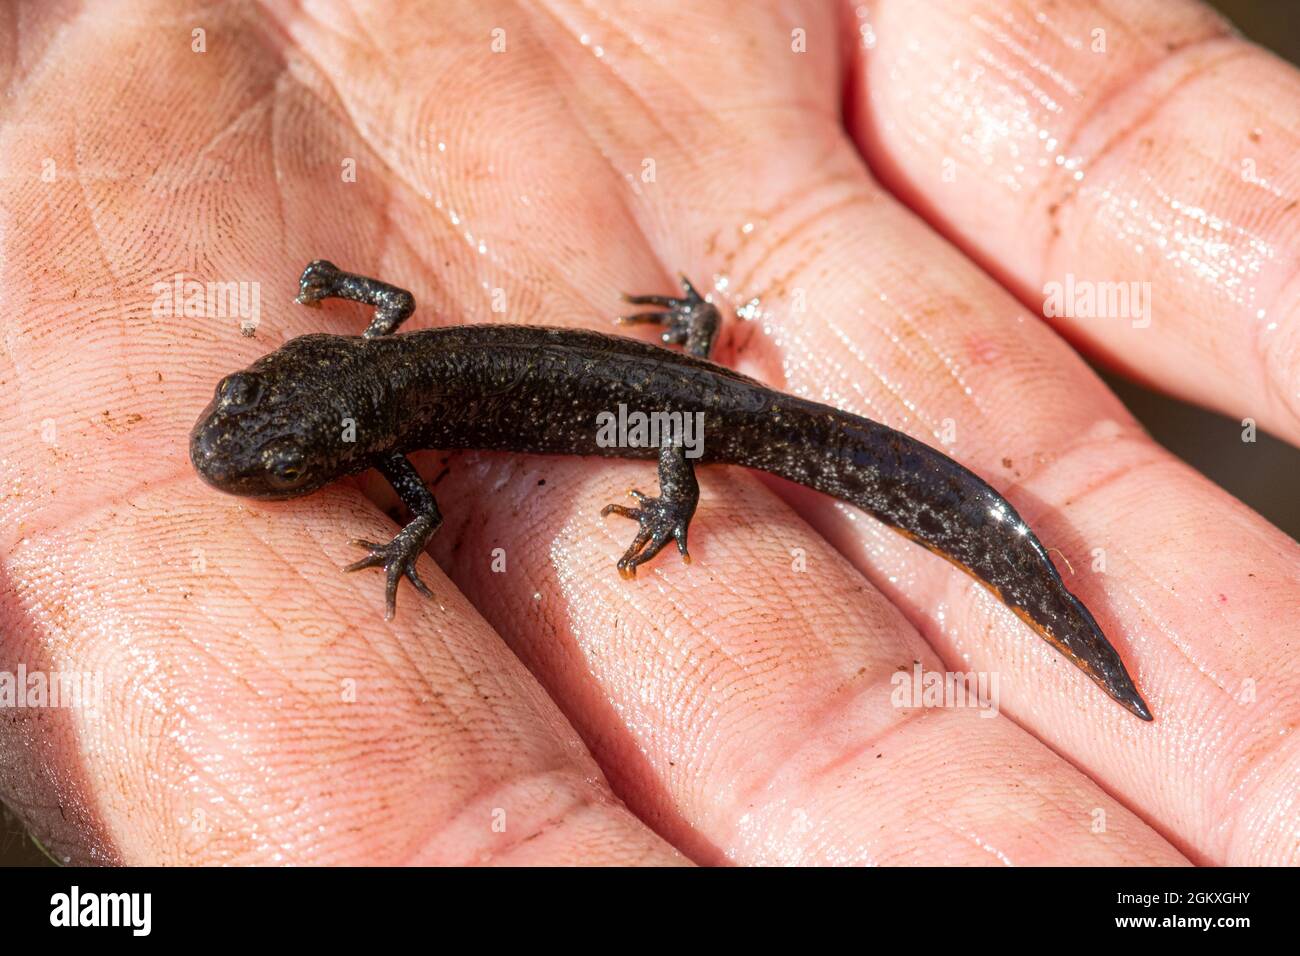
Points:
(322, 279)
(398, 557)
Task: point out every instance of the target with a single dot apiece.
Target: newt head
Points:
(271, 431)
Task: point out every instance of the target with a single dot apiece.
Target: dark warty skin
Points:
(275, 430)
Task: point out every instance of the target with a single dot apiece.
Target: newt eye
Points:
(239, 390)
(284, 466)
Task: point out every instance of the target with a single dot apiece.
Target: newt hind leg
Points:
(690, 321)
(661, 519)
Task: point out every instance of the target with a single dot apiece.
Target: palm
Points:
(257, 706)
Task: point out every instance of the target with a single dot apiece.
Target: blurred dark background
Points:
(1268, 479)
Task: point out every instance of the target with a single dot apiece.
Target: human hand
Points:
(257, 708)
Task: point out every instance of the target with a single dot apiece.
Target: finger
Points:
(723, 700)
(1129, 172)
(253, 707)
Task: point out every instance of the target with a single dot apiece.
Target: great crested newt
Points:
(275, 430)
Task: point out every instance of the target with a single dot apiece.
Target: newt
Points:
(279, 429)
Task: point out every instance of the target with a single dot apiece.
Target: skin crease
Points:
(740, 710)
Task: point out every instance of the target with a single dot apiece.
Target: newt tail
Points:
(943, 506)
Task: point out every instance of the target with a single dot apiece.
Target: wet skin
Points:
(325, 406)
